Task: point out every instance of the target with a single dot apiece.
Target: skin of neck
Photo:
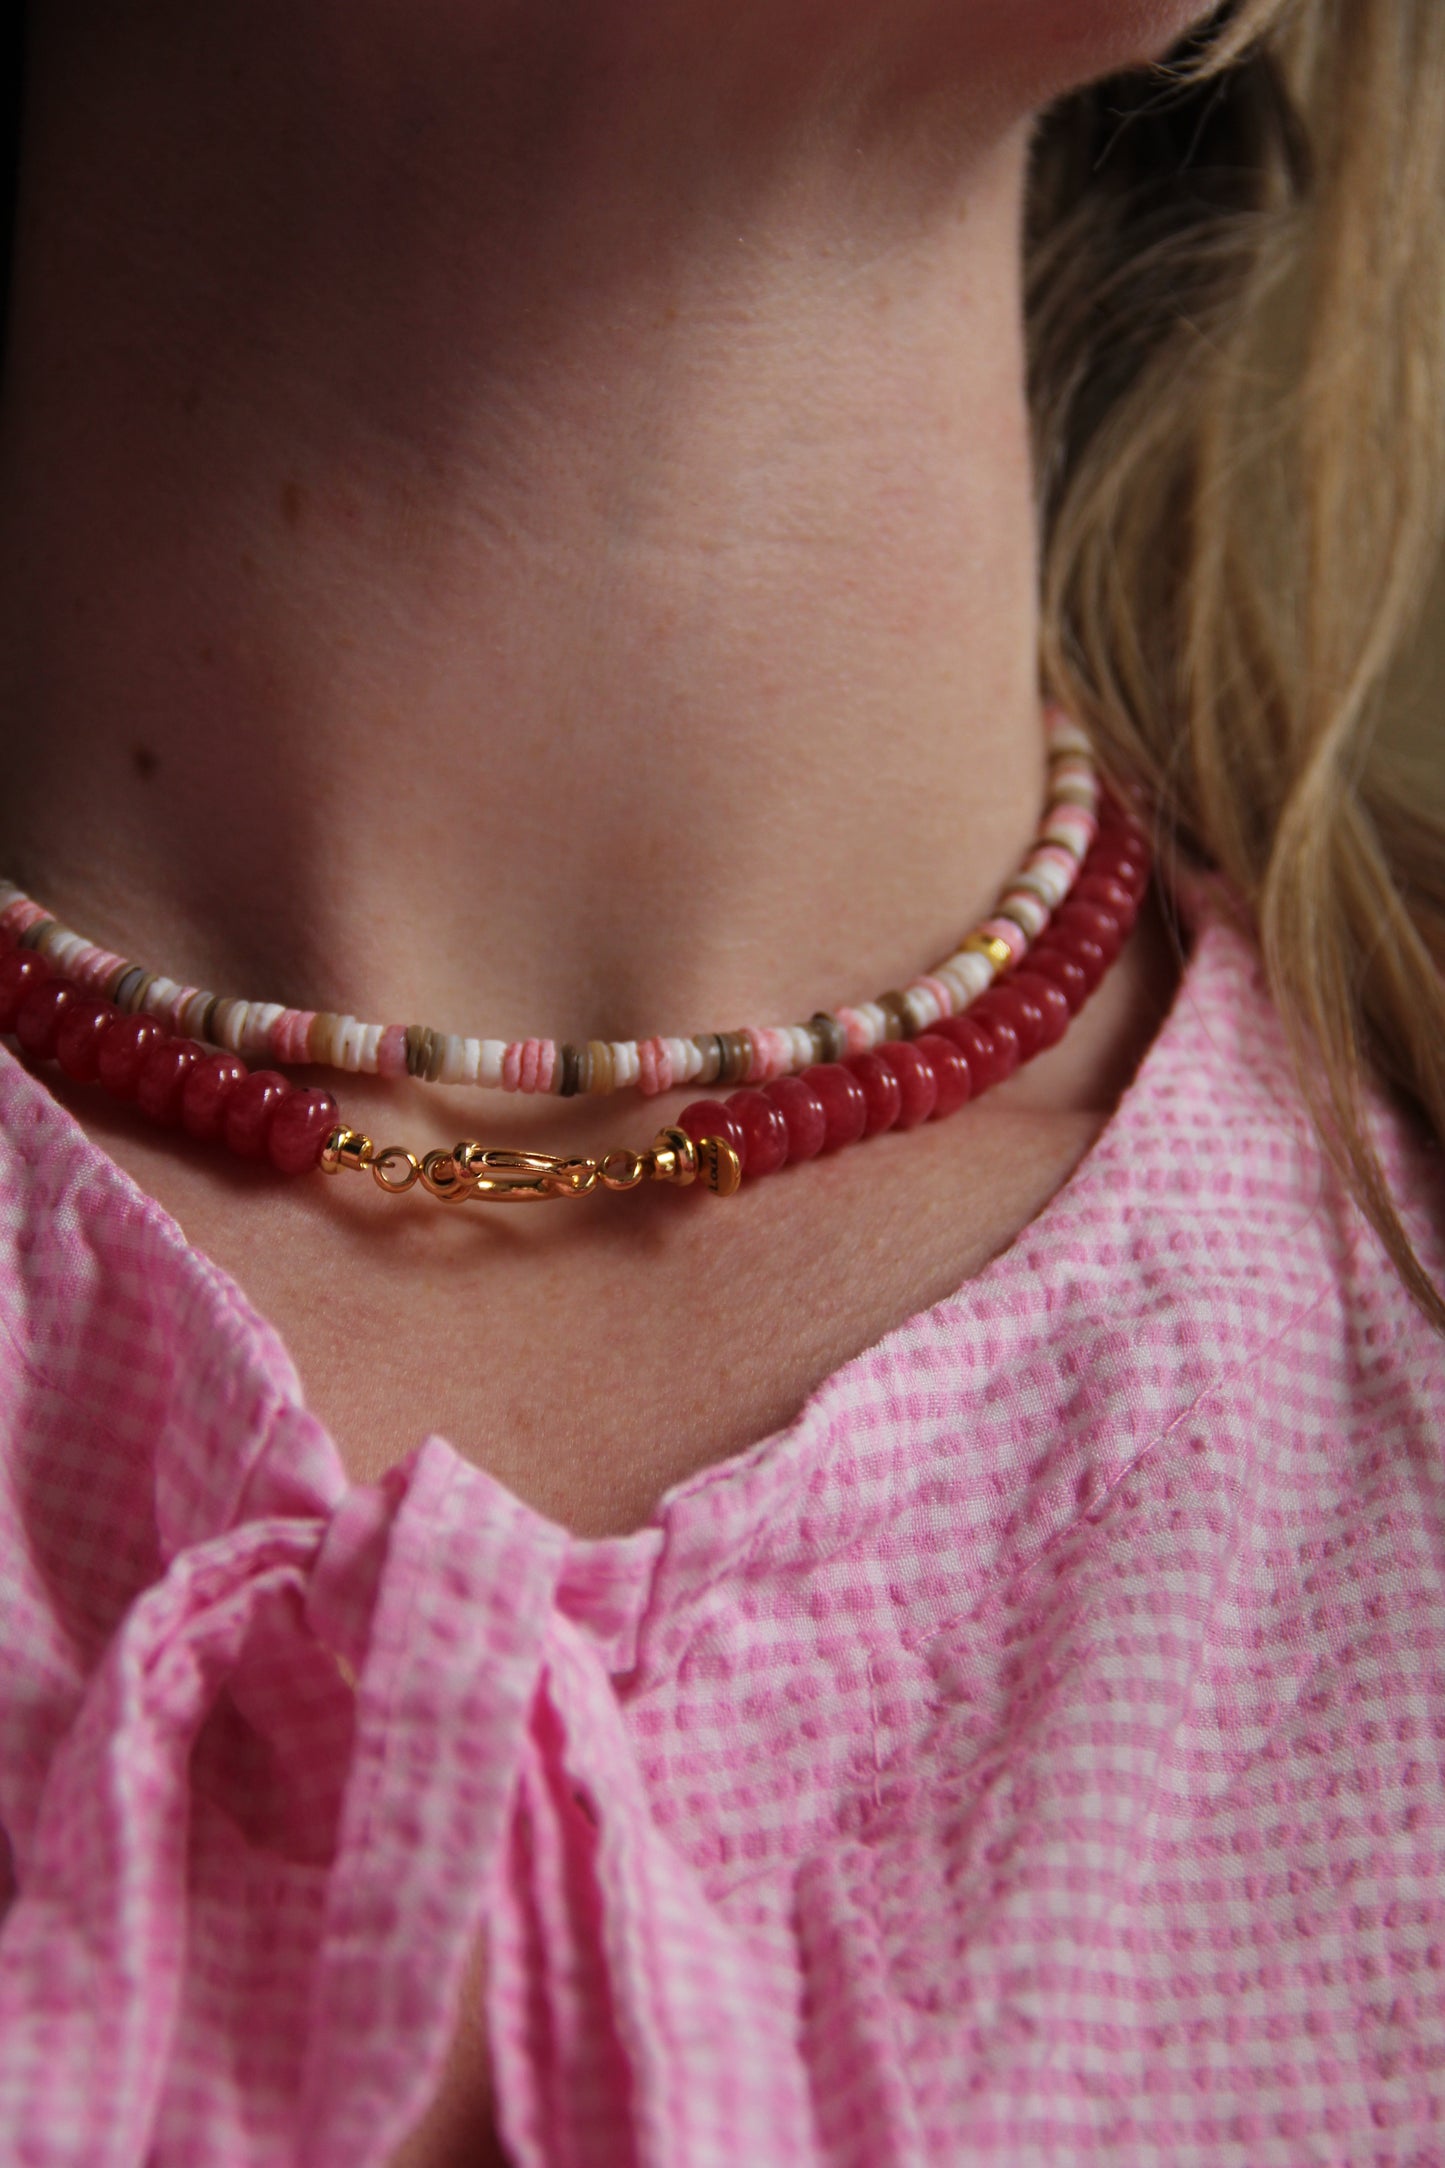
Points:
(526, 526)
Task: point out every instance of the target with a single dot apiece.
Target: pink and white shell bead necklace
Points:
(909, 1057)
(267, 1031)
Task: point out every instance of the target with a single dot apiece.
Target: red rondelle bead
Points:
(1013, 1004)
(881, 1090)
(765, 1133)
(710, 1118)
(951, 1074)
(1109, 894)
(41, 1014)
(206, 1094)
(1085, 952)
(804, 1113)
(914, 1072)
(123, 1048)
(1049, 998)
(249, 1111)
(163, 1071)
(1068, 974)
(844, 1106)
(20, 970)
(299, 1127)
(81, 1036)
(1116, 862)
(976, 1043)
(1099, 925)
(1007, 1053)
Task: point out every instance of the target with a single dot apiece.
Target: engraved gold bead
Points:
(719, 1166)
(998, 952)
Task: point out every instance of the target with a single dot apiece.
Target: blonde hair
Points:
(1237, 319)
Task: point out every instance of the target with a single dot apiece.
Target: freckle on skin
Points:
(293, 502)
(144, 761)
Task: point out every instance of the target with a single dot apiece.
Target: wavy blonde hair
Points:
(1237, 319)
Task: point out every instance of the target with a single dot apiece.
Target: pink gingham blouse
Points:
(1034, 1753)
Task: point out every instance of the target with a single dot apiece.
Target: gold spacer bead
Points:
(346, 1148)
(999, 954)
(673, 1157)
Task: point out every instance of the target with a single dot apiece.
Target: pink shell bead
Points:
(18, 916)
(391, 1052)
(654, 1065)
(289, 1038)
(1013, 937)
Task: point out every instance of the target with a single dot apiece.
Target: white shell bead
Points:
(370, 1047)
(255, 1022)
(800, 1039)
(626, 1067)
(346, 1042)
(489, 1063)
(922, 1007)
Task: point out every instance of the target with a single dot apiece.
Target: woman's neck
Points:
(526, 525)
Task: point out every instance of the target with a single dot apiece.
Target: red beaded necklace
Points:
(216, 1097)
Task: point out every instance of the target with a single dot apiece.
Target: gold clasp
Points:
(493, 1174)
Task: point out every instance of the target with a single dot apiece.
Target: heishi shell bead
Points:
(163, 1072)
(951, 1074)
(804, 1113)
(710, 1118)
(916, 1079)
(882, 1093)
(206, 1094)
(845, 1107)
(1042, 991)
(20, 970)
(250, 1111)
(977, 1045)
(80, 1037)
(764, 1131)
(122, 1051)
(41, 1014)
(299, 1127)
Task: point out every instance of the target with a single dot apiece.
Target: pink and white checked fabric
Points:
(1035, 1753)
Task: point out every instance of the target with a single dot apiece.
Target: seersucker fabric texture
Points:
(1035, 1753)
